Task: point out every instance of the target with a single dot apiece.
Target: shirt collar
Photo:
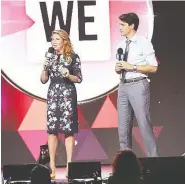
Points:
(134, 38)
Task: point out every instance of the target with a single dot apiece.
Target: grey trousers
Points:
(134, 98)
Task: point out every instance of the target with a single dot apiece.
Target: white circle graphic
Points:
(22, 53)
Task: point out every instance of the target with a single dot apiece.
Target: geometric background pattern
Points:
(29, 129)
(23, 120)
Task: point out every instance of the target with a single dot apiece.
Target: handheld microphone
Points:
(119, 54)
(49, 56)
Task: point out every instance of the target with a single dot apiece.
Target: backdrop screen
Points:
(26, 27)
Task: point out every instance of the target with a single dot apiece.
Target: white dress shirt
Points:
(141, 52)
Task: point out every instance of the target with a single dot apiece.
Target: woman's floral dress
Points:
(62, 115)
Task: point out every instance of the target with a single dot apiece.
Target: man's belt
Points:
(133, 80)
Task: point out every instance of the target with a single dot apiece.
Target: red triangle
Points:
(107, 116)
(33, 140)
(91, 149)
(137, 135)
(14, 106)
(83, 125)
(113, 97)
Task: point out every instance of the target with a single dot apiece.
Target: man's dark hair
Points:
(126, 165)
(130, 18)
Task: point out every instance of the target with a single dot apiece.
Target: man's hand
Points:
(124, 65)
(118, 67)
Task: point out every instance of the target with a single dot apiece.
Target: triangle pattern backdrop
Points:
(97, 138)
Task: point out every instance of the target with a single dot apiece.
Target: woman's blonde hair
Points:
(67, 46)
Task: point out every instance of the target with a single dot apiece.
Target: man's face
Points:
(125, 29)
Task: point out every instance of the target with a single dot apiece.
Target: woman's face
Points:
(57, 42)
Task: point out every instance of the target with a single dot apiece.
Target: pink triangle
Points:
(14, 17)
(35, 118)
(91, 149)
(137, 135)
(107, 116)
(157, 131)
(33, 140)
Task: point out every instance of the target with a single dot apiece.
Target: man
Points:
(133, 92)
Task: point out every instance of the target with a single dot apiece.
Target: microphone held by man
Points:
(121, 64)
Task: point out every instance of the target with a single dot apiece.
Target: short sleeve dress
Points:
(62, 115)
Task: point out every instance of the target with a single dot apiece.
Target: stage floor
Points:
(106, 170)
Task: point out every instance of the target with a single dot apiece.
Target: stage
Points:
(157, 170)
(94, 31)
(61, 178)
(60, 174)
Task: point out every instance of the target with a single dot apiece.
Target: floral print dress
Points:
(62, 115)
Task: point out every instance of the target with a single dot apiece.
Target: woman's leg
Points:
(69, 143)
(52, 144)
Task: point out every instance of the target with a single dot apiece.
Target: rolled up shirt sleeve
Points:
(149, 54)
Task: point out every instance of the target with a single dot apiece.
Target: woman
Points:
(126, 168)
(64, 70)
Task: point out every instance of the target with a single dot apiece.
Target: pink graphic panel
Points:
(79, 140)
(33, 140)
(91, 149)
(14, 18)
(35, 118)
(107, 116)
(137, 135)
(14, 106)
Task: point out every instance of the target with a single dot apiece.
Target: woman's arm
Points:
(45, 73)
(76, 75)
(73, 78)
(44, 76)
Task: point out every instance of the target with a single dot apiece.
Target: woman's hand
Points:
(46, 65)
(65, 72)
(45, 73)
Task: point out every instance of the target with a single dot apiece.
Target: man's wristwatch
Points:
(135, 68)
